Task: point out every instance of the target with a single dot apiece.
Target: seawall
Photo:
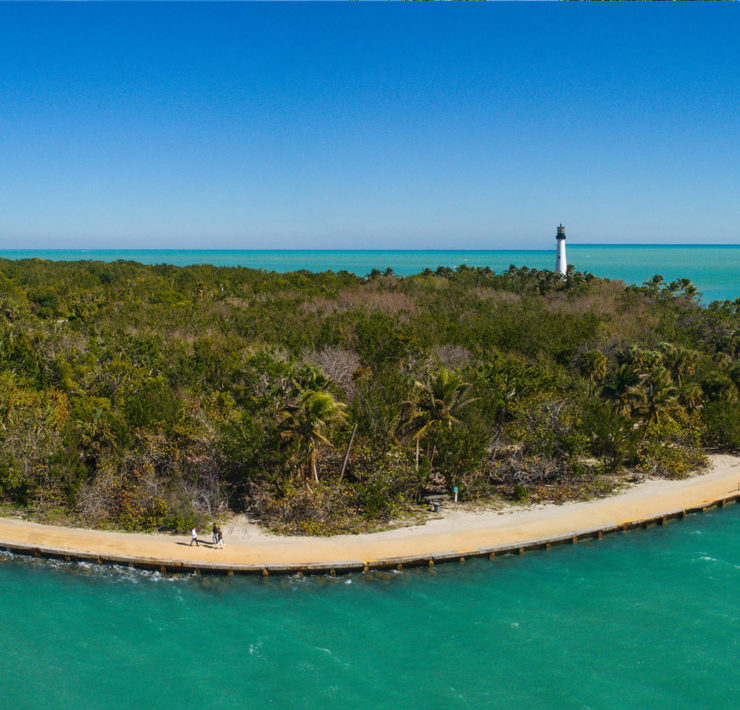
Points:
(458, 536)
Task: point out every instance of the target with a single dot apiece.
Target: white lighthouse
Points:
(561, 265)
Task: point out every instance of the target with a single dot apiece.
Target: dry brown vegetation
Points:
(372, 299)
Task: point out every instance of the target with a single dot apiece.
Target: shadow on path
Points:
(201, 543)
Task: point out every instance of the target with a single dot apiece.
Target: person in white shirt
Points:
(194, 537)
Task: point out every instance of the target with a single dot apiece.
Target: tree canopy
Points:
(159, 396)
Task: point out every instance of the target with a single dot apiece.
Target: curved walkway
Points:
(455, 535)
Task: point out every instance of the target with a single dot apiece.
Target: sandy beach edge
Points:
(454, 536)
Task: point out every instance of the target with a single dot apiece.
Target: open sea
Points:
(715, 270)
(642, 620)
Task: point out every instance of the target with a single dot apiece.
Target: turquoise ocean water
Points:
(715, 270)
(647, 619)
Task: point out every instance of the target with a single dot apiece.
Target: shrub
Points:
(722, 422)
(670, 460)
(521, 494)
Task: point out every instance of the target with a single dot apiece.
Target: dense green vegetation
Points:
(155, 396)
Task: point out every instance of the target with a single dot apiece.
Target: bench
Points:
(436, 501)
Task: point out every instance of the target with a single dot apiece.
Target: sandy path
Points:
(457, 530)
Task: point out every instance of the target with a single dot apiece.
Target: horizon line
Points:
(326, 249)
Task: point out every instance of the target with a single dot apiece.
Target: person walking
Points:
(215, 534)
(194, 538)
(220, 537)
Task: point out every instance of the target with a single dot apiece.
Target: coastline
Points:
(455, 535)
(714, 275)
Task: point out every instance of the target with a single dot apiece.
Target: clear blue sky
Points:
(368, 125)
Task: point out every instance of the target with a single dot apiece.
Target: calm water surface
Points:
(647, 619)
(715, 270)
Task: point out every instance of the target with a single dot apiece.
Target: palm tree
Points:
(643, 361)
(305, 423)
(414, 422)
(691, 396)
(619, 387)
(439, 400)
(684, 287)
(311, 378)
(658, 400)
(654, 283)
(634, 357)
(668, 352)
(684, 363)
(651, 360)
(593, 365)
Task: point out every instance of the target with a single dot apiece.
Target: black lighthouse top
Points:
(561, 232)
